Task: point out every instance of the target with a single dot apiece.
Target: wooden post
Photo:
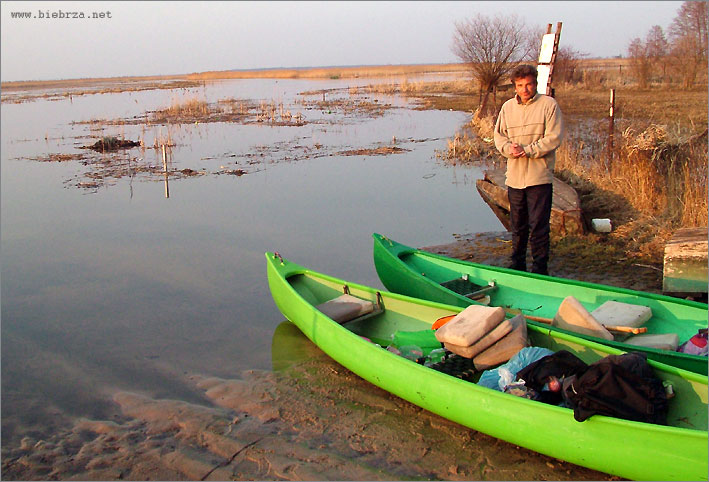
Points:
(611, 118)
(164, 164)
(557, 36)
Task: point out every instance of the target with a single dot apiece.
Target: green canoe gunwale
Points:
(620, 447)
(398, 276)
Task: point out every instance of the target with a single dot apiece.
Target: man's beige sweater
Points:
(538, 127)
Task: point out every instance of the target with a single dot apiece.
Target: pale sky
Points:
(156, 38)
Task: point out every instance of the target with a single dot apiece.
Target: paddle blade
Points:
(442, 321)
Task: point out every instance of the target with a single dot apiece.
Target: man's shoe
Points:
(517, 266)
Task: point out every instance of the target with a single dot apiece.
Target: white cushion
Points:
(614, 313)
(663, 341)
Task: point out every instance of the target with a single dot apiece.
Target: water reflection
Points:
(290, 346)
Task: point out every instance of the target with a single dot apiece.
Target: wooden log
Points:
(566, 214)
(685, 263)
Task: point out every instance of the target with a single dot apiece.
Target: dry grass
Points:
(654, 185)
(185, 108)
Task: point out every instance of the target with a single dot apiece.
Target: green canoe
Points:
(418, 273)
(635, 450)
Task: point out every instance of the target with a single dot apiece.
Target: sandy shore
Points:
(313, 420)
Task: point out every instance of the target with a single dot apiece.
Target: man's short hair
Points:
(522, 72)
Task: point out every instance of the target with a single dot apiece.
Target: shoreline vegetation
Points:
(653, 182)
(276, 73)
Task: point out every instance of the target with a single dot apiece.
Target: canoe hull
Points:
(417, 273)
(627, 449)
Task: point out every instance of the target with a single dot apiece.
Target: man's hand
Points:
(517, 150)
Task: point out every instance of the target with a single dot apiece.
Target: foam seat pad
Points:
(345, 308)
(662, 341)
(574, 317)
(506, 348)
(483, 343)
(470, 325)
(615, 313)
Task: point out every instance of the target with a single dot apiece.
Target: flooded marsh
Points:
(139, 338)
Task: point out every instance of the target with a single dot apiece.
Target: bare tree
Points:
(492, 47)
(688, 34)
(657, 49)
(639, 61)
(692, 20)
(566, 66)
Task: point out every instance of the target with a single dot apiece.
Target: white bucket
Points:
(601, 225)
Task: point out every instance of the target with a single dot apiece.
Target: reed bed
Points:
(330, 72)
(656, 183)
(184, 108)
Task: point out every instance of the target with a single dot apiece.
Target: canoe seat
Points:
(463, 286)
(347, 308)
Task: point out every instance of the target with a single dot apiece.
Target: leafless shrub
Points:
(491, 47)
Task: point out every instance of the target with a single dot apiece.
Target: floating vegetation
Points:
(374, 151)
(111, 144)
(59, 158)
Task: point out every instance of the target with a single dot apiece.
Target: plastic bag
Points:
(527, 355)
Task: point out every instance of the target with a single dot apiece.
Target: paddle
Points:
(441, 321)
(619, 329)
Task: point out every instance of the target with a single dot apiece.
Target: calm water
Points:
(121, 288)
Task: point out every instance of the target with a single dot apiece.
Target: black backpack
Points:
(561, 364)
(622, 386)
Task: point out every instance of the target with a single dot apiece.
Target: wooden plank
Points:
(685, 262)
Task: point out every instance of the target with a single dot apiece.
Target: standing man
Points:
(528, 131)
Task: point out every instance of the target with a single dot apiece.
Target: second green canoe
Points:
(421, 274)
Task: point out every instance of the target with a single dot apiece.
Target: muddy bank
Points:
(19, 92)
(309, 419)
(589, 258)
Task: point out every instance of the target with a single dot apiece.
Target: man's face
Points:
(526, 87)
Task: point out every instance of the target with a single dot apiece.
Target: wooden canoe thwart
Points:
(685, 262)
(566, 215)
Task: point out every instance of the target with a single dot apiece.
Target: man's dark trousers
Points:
(530, 210)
